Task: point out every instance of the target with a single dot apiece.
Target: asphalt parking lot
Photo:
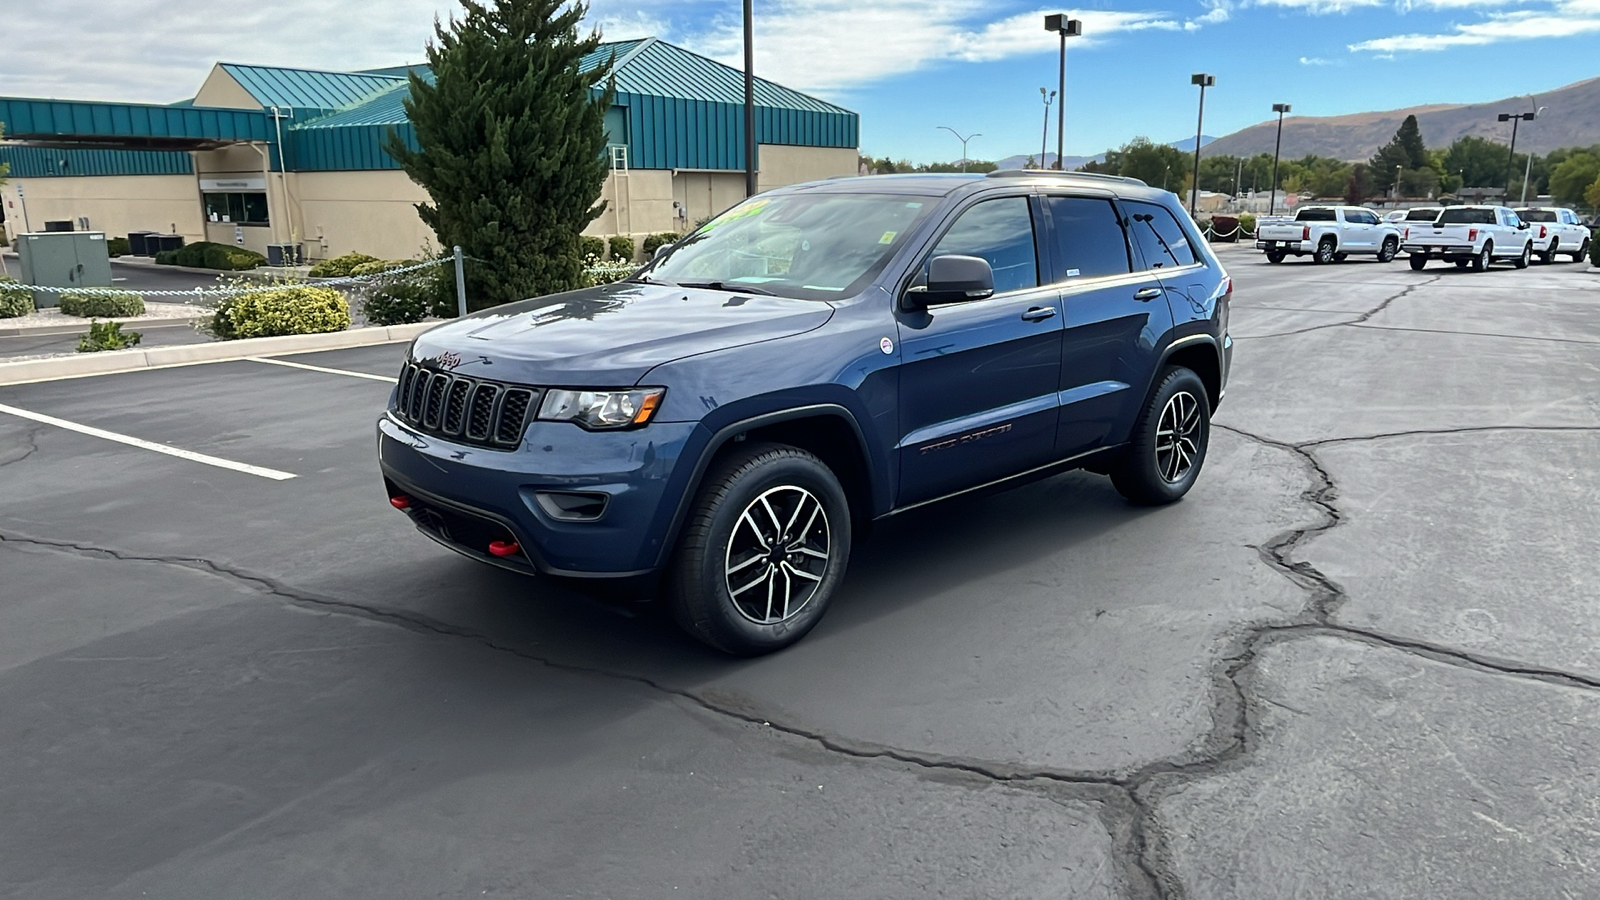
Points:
(1361, 659)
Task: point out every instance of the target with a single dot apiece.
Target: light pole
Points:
(1397, 170)
(1060, 24)
(1515, 119)
(749, 102)
(1044, 139)
(963, 141)
(1203, 81)
(1272, 201)
(1527, 171)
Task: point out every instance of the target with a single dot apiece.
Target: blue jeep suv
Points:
(724, 424)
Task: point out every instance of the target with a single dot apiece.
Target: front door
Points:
(979, 379)
(1114, 313)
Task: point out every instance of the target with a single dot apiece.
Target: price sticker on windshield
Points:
(888, 237)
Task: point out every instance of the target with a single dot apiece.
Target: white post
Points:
(461, 284)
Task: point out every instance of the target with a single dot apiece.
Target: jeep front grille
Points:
(465, 409)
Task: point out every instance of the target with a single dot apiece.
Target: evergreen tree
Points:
(510, 142)
(1405, 150)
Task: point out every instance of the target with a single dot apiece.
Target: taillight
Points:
(1472, 234)
(1407, 236)
(1541, 232)
(1305, 233)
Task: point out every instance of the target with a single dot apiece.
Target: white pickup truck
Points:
(1556, 230)
(1328, 234)
(1470, 236)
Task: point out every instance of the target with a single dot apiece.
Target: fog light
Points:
(573, 506)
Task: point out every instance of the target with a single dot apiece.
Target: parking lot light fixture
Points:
(1277, 147)
(1060, 24)
(1203, 81)
(963, 141)
(1515, 119)
(1044, 139)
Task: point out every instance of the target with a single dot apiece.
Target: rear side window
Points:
(1315, 215)
(1000, 231)
(1159, 236)
(1089, 242)
(1459, 216)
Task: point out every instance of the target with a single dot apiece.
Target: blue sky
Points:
(908, 66)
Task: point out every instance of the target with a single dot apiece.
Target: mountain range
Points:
(1571, 119)
(1073, 162)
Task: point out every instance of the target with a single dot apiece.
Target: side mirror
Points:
(953, 279)
(1522, 226)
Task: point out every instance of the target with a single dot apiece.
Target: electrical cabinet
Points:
(63, 259)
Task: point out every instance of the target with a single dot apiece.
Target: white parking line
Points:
(190, 455)
(323, 369)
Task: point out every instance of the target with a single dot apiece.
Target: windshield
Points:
(1422, 215)
(1315, 215)
(812, 246)
(1459, 216)
(1536, 215)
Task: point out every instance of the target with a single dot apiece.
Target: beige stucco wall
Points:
(358, 212)
(782, 164)
(221, 90)
(256, 237)
(243, 160)
(115, 204)
(638, 203)
(706, 193)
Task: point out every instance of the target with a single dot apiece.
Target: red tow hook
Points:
(400, 501)
(503, 549)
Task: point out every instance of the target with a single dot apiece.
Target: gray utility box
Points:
(63, 259)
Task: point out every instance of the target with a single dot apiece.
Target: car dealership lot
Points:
(1359, 660)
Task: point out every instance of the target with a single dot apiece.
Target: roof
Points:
(308, 88)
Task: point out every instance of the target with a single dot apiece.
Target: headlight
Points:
(602, 409)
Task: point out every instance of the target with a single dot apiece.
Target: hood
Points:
(611, 335)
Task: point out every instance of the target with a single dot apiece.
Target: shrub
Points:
(1247, 222)
(340, 266)
(379, 266)
(1594, 249)
(412, 297)
(103, 304)
(231, 259)
(166, 257)
(654, 242)
(285, 309)
(193, 256)
(14, 301)
(598, 271)
(591, 247)
(107, 336)
(118, 247)
(621, 248)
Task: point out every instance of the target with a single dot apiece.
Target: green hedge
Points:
(621, 248)
(14, 301)
(304, 309)
(1594, 249)
(341, 266)
(1247, 221)
(118, 246)
(591, 247)
(654, 242)
(412, 298)
(107, 336)
(166, 257)
(105, 304)
(209, 255)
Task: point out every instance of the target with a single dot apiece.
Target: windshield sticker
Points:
(752, 208)
(754, 279)
(1072, 272)
(888, 237)
(913, 206)
(820, 287)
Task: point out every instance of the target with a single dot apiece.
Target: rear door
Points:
(979, 379)
(1114, 310)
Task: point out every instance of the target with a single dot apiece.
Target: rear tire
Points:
(1418, 261)
(763, 551)
(1169, 442)
(1522, 261)
(1276, 256)
(1481, 261)
(1582, 251)
(1548, 256)
(1387, 252)
(1326, 251)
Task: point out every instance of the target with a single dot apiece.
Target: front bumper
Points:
(466, 497)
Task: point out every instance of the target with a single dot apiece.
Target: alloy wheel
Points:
(1178, 437)
(777, 554)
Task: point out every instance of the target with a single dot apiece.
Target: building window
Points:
(247, 209)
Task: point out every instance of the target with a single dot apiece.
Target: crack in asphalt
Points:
(1126, 802)
(1360, 319)
(1482, 334)
(31, 439)
(1423, 432)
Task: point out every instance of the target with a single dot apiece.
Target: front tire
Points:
(1522, 261)
(1583, 251)
(763, 551)
(1418, 262)
(1169, 442)
(1387, 252)
(1480, 263)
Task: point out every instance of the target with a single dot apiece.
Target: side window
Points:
(1089, 241)
(1159, 236)
(1000, 231)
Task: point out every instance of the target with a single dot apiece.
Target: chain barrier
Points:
(238, 290)
(1211, 232)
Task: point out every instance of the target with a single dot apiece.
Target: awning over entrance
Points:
(129, 126)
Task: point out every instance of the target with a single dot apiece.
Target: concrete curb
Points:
(47, 330)
(113, 361)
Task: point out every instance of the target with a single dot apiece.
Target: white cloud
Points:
(1216, 15)
(1323, 7)
(1313, 61)
(1565, 19)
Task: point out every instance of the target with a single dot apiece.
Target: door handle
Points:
(1146, 294)
(1038, 314)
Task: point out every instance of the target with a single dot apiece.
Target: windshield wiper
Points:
(724, 286)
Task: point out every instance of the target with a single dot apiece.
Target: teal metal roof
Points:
(660, 69)
(306, 88)
(381, 109)
(129, 125)
(49, 162)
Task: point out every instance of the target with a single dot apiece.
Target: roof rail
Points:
(1021, 173)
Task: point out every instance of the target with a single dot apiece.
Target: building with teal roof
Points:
(268, 155)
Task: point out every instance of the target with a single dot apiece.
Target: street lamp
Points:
(1203, 81)
(1060, 24)
(1044, 139)
(1272, 200)
(749, 101)
(1397, 170)
(1527, 171)
(1515, 119)
(963, 141)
